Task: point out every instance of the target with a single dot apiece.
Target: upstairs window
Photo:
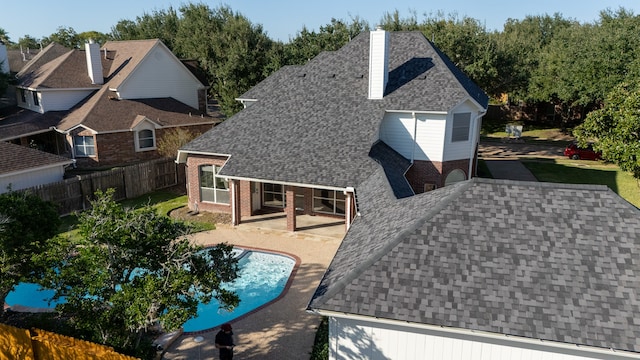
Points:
(84, 146)
(461, 126)
(145, 140)
(212, 187)
(36, 102)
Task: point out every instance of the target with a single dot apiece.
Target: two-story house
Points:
(474, 268)
(105, 106)
(309, 135)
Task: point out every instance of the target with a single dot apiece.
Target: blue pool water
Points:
(261, 279)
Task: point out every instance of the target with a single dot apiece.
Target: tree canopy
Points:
(616, 128)
(27, 223)
(132, 269)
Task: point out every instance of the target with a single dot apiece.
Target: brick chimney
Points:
(378, 63)
(94, 63)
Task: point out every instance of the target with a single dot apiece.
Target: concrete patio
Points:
(282, 330)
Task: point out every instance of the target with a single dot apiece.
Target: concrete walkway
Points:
(510, 170)
(283, 329)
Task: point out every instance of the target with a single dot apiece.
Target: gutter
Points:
(584, 351)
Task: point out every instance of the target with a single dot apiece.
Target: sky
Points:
(283, 19)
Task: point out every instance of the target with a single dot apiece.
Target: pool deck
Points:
(283, 329)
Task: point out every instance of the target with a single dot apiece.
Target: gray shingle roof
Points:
(313, 124)
(537, 260)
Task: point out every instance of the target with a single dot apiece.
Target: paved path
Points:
(503, 162)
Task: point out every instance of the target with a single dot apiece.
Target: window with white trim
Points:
(328, 201)
(273, 195)
(84, 146)
(145, 140)
(213, 188)
(461, 126)
(36, 101)
(23, 96)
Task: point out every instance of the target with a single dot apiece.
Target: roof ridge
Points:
(543, 184)
(384, 250)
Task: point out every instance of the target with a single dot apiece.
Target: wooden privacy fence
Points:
(129, 182)
(45, 345)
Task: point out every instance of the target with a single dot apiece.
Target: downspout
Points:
(415, 135)
(473, 158)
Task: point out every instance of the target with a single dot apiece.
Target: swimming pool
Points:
(262, 277)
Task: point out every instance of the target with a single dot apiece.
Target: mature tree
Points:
(231, 49)
(173, 140)
(330, 37)
(159, 24)
(65, 36)
(519, 47)
(133, 269)
(27, 42)
(98, 37)
(28, 223)
(4, 37)
(584, 62)
(616, 128)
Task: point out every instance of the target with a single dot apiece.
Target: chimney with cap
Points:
(94, 63)
(378, 63)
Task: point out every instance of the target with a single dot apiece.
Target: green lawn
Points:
(163, 201)
(586, 172)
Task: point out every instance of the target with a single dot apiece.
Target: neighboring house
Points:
(22, 167)
(106, 106)
(310, 135)
(486, 269)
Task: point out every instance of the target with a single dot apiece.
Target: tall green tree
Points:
(615, 128)
(27, 224)
(27, 43)
(330, 37)
(584, 62)
(158, 24)
(519, 47)
(228, 46)
(132, 269)
(65, 36)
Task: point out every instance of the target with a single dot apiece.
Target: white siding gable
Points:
(416, 137)
(360, 339)
(161, 74)
(31, 178)
(61, 99)
(456, 150)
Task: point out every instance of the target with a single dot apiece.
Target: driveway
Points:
(503, 159)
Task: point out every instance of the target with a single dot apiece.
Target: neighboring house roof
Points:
(18, 59)
(66, 71)
(314, 124)
(16, 122)
(545, 261)
(16, 158)
(49, 53)
(103, 112)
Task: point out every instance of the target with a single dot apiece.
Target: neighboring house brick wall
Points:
(193, 162)
(120, 148)
(433, 172)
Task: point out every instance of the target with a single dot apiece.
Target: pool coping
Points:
(279, 297)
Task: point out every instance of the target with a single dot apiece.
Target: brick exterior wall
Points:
(193, 185)
(120, 148)
(433, 172)
(245, 198)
